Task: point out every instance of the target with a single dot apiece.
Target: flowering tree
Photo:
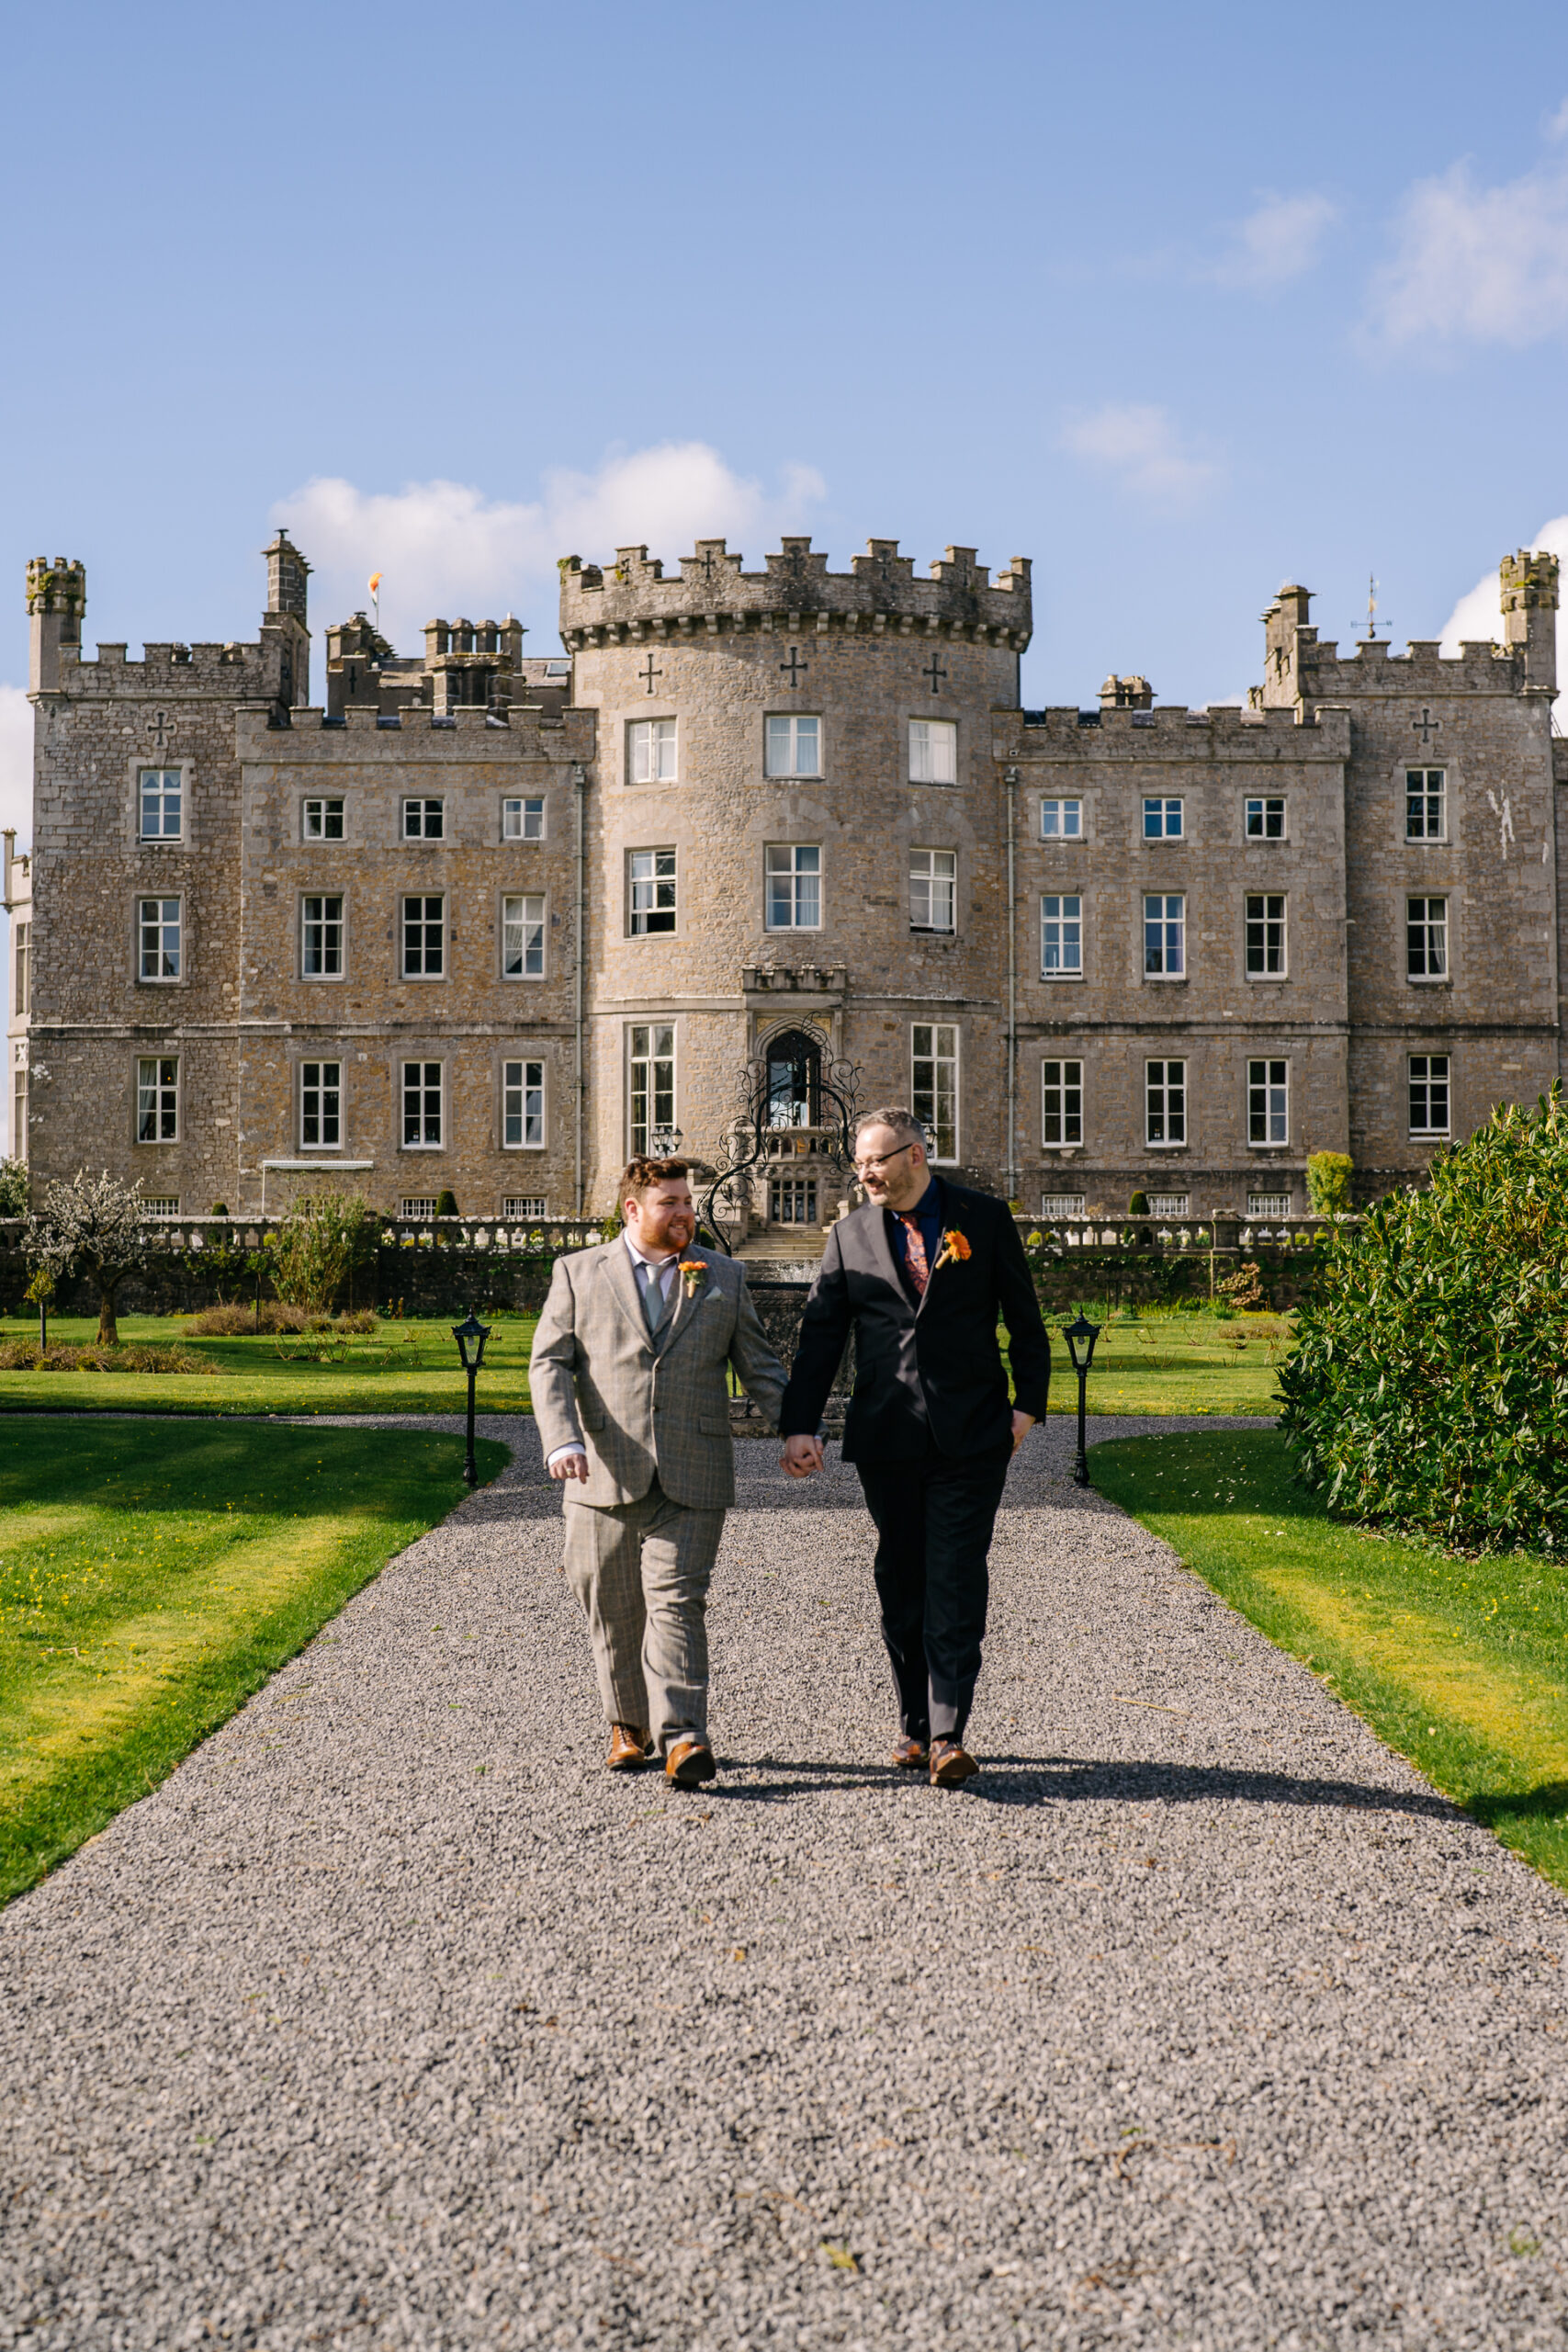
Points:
(96, 1226)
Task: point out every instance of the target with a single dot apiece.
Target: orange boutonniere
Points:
(692, 1272)
(954, 1251)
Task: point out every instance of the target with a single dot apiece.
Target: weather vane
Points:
(1371, 605)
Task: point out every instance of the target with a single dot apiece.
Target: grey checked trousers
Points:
(641, 1571)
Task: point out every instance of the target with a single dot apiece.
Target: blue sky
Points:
(1179, 302)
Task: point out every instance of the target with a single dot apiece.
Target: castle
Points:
(484, 923)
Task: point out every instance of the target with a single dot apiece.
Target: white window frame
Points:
(1061, 819)
(1268, 1101)
(1424, 823)
(1276, 1205)
(1166, 923)
(158, 1095)
(792, 891)
(934, 888)
(652, 751)
(1061, 936)
(418, 1208)
(425, 923)
(19, 1112)
(1165, 1103)
(326, 945)
(1428, 1080)
(522, 1104)
(788, 738)
(933, 750)
(522, 1207)
(1170, 1203)
(418, 1091)
(1266, 935)
(153, 939)
(935, 1086)
(1063, 1204)
(1435, 941)
(165, 791)
(324, 808)
(523, 934)
(321, 1098)
(1264, 808)
(1061, 1104)
(522, 816)
(425, 817)
(22, 968)
(653, 892)
(650, 1047)
(1159, 808)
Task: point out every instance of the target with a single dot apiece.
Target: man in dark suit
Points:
(920, 1273)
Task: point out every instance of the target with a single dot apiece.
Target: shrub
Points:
(14, 1193)
(232, 1322)
(446, 1205)
(95, 1223)
(1138, 1206)
(1243, 1289)
(219, 1208)
(1328, 1182)
(317, 1249)
(1429, 1381)
(24, 1355)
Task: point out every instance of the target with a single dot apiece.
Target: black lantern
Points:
(470, 1336)
(1080, 1337)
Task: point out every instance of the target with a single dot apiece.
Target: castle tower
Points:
(795, 845)
(1528, 584)
(57, 599)
(284, 620)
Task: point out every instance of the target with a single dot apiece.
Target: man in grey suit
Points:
(633, 1405)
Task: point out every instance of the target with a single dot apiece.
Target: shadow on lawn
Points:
(1548, 1802)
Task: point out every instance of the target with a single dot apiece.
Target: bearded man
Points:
(631, 1394)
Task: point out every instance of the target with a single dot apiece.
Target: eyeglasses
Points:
(864, 1167)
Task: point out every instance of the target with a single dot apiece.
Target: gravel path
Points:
(390, 2021)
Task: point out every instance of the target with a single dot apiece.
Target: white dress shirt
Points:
(645, 1269)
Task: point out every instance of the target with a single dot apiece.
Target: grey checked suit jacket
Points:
(642, 1402)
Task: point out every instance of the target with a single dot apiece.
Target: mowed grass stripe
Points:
(134, 1622)
(1457, 1663)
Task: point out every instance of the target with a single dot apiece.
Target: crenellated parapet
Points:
(1301, 666)
(711, 595)
(58, 587)
(1125, 732)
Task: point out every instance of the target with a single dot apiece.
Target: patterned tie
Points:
(915, 1259)
(653, 1299)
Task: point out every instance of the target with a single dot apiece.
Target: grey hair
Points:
(904, 1124)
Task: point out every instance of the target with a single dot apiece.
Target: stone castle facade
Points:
(483, 923)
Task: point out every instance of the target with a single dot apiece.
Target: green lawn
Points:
(151, 1579)
(1459, 1664)
(1175, 1363)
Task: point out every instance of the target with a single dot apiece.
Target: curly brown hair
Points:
(640, 1176)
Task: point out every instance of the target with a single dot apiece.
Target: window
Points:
(1427, 939)
(158, 928)
(526, 1204)
(425, 821)
(522, 937)
(1170, 1204)
(421, 1106)
(161, 1203)
(320, 1105)
(652, 1060)
(933, 888)
(522, 1105)
(1061, 1091)
(933, 750)
(1061, 938)
(1268, 1103)
(1428, 1094)
(323, 820)
(418, 1208)
(1164, 1098)
(654, 890)
(1061, 821)
(162, 800)
(1268, 1203)
(792, 1200)
(1426, 805)
(1265, 936)
(424, 938)
(321, 938)
(795, 746)
(651, 752)
(1264, 820)
(22, 943)
(1062, 1203)
(19, 1115)
(523, 820)
(1164, 936)
(795, 886)
(1162, 820)
(934, 1081)
(158, 1099)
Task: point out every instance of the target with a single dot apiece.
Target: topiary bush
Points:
(1328, 1182)
(448, 1204)
(1429, 1381)
(1138, 1206)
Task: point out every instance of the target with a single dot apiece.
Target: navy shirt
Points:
(928, 1211)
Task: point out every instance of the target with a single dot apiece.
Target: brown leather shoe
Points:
(911, 1755)
(689, 1762)
(951, 1764)
(629, 1745)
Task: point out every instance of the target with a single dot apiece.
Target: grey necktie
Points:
(653, 1300)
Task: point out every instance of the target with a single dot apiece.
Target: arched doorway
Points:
(795, 1079)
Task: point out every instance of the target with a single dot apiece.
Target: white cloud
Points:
(1139, 444)
(1479, 614)
(443, 547)
(1276, 243)
(1478, 264)
(16, 763)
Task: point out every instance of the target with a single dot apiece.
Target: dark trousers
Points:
(934, 1518)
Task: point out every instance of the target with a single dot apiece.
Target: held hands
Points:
(801, 1456)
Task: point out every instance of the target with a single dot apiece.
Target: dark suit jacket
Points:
(937, 1369)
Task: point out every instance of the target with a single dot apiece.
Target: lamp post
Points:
(1080, 1338)
(470, 1336)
